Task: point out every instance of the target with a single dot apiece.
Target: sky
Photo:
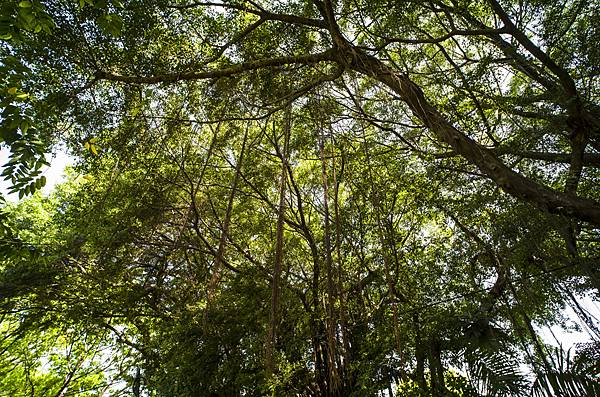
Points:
(54, 174)
(569, 339)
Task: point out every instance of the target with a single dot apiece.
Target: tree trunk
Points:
(340, 280)
(419, 357)
(275, 293)
(436, 368)
(333, 376)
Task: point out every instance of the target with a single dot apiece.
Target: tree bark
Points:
(275, 289)
(419, 357)
(331, 321)
(510, 181)
(345, 367)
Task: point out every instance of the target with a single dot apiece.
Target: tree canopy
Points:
(299, 197)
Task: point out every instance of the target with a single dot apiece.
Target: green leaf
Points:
(24, 126)
(110, 24)
(25, 4)
(47, 26)
(27, 16)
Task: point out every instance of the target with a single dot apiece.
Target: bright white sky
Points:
(568, 339)
(54, 174)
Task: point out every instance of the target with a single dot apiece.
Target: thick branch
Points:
(588, 160)
(309, 59)
(510, 181)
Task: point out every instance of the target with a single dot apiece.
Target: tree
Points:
(413, 184)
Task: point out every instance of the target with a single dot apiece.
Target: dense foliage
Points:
(303, 197)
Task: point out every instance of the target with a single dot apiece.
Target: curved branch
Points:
(309, 59)
(510, 181)
(588, 159)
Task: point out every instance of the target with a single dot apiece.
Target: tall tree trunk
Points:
(436, 368)
(275, 293)
(340, 278)
(196, 186)
(419, 356)
(333, 376)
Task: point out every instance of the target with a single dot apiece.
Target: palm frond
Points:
(495, 374)
(565, 384)
(572, 376)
